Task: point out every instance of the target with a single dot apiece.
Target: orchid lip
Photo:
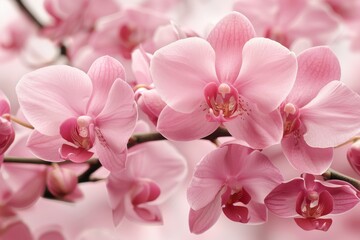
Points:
(224, 102)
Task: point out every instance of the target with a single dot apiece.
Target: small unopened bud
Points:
(353, 156)
(61, 181)
(151, 104)
(7, 134)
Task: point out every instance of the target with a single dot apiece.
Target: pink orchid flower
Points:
(7, 133)
(14, 38)
(152, 172)
(319, 113)
(353, 156)
(71, 17)
(234, 179)
(76, 114)
(227, 80)
(121, 33)
(311, 199)
(287, 21)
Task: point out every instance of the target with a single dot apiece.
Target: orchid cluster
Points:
(129, 114)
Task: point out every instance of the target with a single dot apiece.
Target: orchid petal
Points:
(181, 70)
(228, 38)
(266, 64)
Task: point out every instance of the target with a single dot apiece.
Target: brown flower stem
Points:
(331, 174)
(352, 140)
(17, 120)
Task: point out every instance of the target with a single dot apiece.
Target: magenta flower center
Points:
(291, 116)
(223, 102)
(79, 131)
(310, 207)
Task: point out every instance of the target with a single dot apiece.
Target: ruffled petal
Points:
(103, 73)
(181, 70)
(266, 64)
(228, 38)
(317, 67)
(258, 130)
(305, 158)
(50, 95)
(331, 118)
(184, 126)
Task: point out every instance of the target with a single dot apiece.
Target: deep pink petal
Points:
(331, 118)
(282, 200)
(147, 213)
(309, 224)
(204, 218)
(184, 126)
(16, 230)
(75, 154)
(236, 213)
(344, 196)
(305, 158)
(45, 147)
(50, 95)
(103, 73)
(317, 67)
(181, 70)
(266, 64)
(53, 234)
(117, 120)
(258, 130)
(228, 38)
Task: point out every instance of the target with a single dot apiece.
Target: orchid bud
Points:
(151, 104)
(7, 134)
(61, 181)
(353, 156)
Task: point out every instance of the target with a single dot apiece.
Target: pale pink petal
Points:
(118, 213)
(45, 147)
(282, 200)
(288, 11)
(305, 158)
(204, 218)
(331, 118)
(103, 73)
(314, 223)
(26, 182)
(168, 170)
(323, 27)
(228, 38)
(257, 129)
(208, 179)
(141, 66)
(266, 64)
(112, 161)
(181, 70)
(151, 104)
(50, 95)
(185, 126)
(317, 66)
(117, 120)
(257, 212)
(258, 175)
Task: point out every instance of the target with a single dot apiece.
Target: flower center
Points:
(291, 119)
(310, 207)
(79, 131)
(223, 102)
